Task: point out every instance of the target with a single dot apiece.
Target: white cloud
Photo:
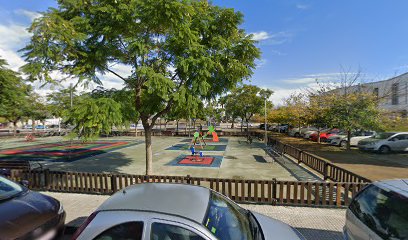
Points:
(272, 38)
(29, 14)
(261, 62)
(312, 78)
(302, 6)
(260, 36)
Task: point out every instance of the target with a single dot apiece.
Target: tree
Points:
(349, 106)
(92, 117)
(13, 95)
(124, 98)
(36, 108)
(60, 100)
(175, 49)
(246, 101)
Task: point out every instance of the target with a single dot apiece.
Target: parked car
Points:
(379, 211)
(25, 214)
(41, 127)
(296, 132)
(262, 126)
(27, 127)
(341, 138)
(385, 142)
(178, 211)
(324, 135)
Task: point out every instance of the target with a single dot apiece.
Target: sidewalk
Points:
(313, 223)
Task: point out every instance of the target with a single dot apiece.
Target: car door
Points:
(160, 229)
(403, 142)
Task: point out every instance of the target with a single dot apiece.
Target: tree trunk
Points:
(318, 135)
(232, 125)
(348, 140)
(32, 125)
(177, 127)
(149, 153)
(242, 122)
(14, 128)
(247, 128)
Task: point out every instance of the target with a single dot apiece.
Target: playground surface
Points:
(64, 151)
(239, 160)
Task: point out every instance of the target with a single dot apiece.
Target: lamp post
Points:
(266, 133)
(265, 94)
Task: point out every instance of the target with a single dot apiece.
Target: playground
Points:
(229, 157)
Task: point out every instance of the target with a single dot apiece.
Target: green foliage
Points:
(124, 97)
(92, 117)
(13, 94)
(179, 52)
(60, 100)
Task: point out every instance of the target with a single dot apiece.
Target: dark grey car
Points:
(164, 211)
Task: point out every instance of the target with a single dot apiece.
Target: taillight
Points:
(84, 225)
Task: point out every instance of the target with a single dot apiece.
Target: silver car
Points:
(164, 211)
(385, 142)
(380, 211)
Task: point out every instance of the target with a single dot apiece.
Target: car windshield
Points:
(383, 135)
(8, 188)
(228, 221)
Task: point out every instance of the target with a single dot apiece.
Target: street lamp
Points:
(265, 94)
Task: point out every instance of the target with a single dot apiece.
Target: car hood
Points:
(25, 212)
(275, 229)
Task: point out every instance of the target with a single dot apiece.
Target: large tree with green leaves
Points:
(246, 101)
(92, 117)
(13, 95)
(175, 49)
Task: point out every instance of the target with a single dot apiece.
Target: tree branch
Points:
(117, 75)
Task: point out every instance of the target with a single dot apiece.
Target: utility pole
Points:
(266, 133)
(70, 93)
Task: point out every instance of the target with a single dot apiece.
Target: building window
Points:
(394, 94)
(376, 92)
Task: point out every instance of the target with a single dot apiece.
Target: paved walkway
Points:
(313, 223)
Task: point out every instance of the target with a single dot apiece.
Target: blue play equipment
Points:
(193, 152)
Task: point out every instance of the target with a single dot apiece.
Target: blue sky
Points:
(300, 40)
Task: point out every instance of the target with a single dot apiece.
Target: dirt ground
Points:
(370, 165)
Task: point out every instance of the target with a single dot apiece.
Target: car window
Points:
(124, 231)
(385, 213)
(8, 188)
(226, 220)
(383, 135)
(162, 231)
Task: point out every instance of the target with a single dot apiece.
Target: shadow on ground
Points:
(107, 163)
(320, 234)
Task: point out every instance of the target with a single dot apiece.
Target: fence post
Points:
(300, 157)
(46, 179)
(325, 171)
(188, 179)
(114, 186)
(274, 193)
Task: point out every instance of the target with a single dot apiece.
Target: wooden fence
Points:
(333, 194)
(327, 169)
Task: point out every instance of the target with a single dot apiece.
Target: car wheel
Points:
(384, 149)
(343, 144)
(297, 135)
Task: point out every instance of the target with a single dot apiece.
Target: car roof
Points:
(169, 198)
(396, 185)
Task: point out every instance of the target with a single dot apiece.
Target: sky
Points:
(300, 41)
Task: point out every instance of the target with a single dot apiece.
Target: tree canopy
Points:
(176, 51)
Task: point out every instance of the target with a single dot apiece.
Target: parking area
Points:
(367, 164)
(313, 223)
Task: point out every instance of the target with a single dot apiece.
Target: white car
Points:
(296, 132)
(341, 139)
(385, 142)
(379, 212)
(166, 211)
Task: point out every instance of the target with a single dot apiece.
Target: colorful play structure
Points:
(199, 138)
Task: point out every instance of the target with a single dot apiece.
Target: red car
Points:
(324, 135)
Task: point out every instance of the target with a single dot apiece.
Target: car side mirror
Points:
(25, 183)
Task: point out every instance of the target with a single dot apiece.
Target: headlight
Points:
(61, 209)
